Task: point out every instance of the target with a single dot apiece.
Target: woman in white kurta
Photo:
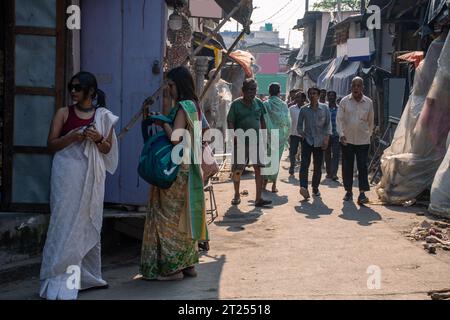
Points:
(85, 146)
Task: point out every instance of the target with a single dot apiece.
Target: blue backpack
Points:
(155, 164)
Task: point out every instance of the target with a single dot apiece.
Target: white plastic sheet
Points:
(418, 148)
(216, 106)
(440, 194)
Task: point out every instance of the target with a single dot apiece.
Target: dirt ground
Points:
(321, 249)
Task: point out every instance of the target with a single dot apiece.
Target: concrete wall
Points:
(22, 236)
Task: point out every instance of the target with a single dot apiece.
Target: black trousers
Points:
(317, 154)
(333, 156)
(294, 144)
(348, 162)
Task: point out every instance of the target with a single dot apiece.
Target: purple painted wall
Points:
(120, 40)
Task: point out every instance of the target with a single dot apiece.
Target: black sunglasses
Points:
(75, 87)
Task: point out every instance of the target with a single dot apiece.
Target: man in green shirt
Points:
(246, 113)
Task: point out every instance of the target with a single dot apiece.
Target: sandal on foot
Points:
(263, 203)
(236, 202)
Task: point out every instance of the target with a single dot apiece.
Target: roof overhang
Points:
(243, 15)
(308, 18)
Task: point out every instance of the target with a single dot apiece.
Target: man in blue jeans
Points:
(333, 153)
(314, 126)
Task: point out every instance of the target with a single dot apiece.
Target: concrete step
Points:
(22, 236)
(15, 271)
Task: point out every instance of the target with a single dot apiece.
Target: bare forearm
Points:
(59, 144)
(169, 133)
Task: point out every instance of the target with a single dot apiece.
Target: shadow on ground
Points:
(365, 216)
(125, 284)
(236, 220)
(314, 209)
(331, 184)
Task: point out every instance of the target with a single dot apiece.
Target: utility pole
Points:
(339, 9)
(307, 6)
(289, 40)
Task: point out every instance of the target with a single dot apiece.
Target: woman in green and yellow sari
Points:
(277, 116)
(176, 218)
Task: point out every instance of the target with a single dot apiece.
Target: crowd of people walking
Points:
(82, 137)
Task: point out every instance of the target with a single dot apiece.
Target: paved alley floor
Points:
(321, 249)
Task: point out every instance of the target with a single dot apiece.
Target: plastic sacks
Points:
(216, 106)
(225, 100)
(418, 148)
(440, 195)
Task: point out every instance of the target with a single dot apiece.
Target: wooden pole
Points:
(214, 32)
(147, 103)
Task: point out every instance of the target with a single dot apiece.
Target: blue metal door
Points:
(120, 42)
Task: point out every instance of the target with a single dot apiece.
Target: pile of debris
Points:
(434, 234)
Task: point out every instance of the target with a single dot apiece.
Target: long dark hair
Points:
(184, 82)
(88, 81)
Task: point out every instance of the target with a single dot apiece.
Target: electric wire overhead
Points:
(275, 14)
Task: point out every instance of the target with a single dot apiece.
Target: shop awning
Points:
(243, 15)
(377, 74)
(324, 79)
(341, 81)
(313, 71)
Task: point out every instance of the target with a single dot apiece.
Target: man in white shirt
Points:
(295, 140)
(355, 124)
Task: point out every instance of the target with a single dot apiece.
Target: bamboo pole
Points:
(147, 103)
(224, 59)
(214, 32)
